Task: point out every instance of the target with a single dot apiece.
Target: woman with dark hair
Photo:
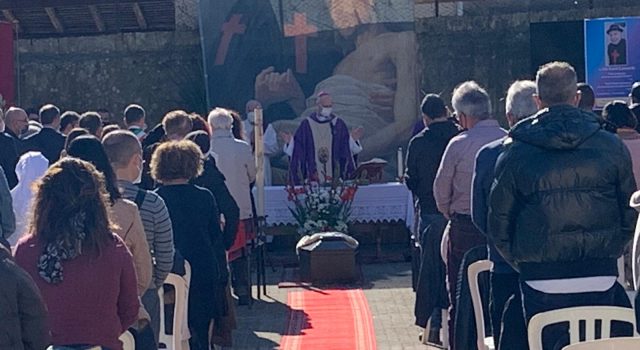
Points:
(126, 217)
(84, 272)
(199, 123)
(197, 236)
(238, 127)
(620, 117)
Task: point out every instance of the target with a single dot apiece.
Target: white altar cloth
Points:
(372, 204)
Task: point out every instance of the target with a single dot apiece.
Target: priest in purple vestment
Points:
(321, 147)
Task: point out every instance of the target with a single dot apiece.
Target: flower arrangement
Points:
(322, 208)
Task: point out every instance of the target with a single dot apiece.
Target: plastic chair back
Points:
(589, 314)
(607, 344)
(483, 342)
(175, 341)
(128, 343)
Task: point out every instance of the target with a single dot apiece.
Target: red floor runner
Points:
(329, 319)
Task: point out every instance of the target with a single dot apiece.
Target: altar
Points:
(373, 204)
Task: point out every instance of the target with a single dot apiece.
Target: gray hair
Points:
(556, 83)
(519, 101)
(220, 118)
(472, 100)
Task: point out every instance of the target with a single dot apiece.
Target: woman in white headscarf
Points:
(30, 167)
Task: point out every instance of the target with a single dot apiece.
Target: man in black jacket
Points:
(559, 207)
(423, 159)
(8, 155)
(48, 141)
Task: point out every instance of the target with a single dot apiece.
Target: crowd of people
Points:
(95, 215)
(550, 202)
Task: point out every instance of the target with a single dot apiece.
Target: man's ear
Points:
(576, 99)
(511, 120)
(538, 101)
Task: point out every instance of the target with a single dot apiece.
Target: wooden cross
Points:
(300, 30)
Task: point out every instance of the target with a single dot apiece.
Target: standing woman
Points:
(196, 232)
(84, 272)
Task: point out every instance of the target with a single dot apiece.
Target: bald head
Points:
(16, 120)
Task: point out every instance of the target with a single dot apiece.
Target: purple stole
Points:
(303, 159)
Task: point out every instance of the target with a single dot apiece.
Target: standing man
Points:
(423, 158)
(48, 141)
(69, 121)
(125, 155)
(587, 97)
(452, 185)
(559, 207)
(16, 121)
(175, 126)
(504, 279)
(321, 146)
(235, 160)
(134, 119)
(92, 122)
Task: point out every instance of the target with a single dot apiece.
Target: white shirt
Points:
(574, 285)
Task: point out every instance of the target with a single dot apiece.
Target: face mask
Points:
(139, 177)
(326, 111)
(251, 116)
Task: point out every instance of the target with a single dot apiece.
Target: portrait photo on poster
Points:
(616, 43)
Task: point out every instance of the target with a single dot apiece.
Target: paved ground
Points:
(388, 291)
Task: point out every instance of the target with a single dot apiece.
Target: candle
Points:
(259, 155)
(400, 164)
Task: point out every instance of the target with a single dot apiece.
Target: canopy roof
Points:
(55, 18)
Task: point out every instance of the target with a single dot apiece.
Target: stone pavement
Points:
(388, 290)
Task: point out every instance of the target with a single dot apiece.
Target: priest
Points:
(320, 148)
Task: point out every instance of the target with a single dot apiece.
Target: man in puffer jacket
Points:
(22, 312)
(559, 207)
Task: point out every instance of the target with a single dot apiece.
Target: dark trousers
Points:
(513, 332)
(556, 337)
(503, 287)
(427, 222)
(144, 338)
(463, 235)
(240, 276)
(151, 302)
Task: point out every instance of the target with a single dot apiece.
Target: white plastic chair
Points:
(176, 340)
(573, 316)
(483, 342)
(128, 343)
(607, 344)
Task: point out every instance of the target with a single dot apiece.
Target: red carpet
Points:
(329, 319)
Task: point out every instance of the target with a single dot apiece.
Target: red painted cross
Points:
(229, 29)
(615, 55)
(300, 30)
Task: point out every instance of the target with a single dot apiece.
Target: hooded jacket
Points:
(31, 167)
(559, 207)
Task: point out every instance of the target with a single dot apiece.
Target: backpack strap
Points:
(140, 197)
